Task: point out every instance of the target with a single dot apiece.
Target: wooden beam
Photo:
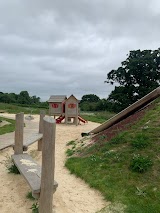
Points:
(18, 147)
(48, 164)
(42, 115)
(32, 139)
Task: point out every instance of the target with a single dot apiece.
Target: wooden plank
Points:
(32, 139)
(31, 171)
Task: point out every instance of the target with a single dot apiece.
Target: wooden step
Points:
(32, 139)
(31, 172)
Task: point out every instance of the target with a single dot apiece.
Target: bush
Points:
(13, 169)
(70, 152)
(29, 196)
(10, 165)
(35, 208)
(140, 141)
(140, 163)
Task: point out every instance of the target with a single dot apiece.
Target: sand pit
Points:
(72, 195)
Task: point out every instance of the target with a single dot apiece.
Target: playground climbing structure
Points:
(67, 109)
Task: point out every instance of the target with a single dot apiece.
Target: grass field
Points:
(10, 108)
(98, 117)
(126, 169)
(7, 128)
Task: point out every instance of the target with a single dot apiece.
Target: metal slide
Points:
(128, 111)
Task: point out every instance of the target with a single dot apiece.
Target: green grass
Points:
(11, 108)
(98, 117)
(70, 152)
(70, 143)
(29, 196)
(106, 166)
(7, 128)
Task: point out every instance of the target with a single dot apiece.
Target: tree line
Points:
(23, 99)
(92, 102)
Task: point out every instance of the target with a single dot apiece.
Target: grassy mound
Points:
(125, 169)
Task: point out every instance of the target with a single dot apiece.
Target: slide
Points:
(127, 112)
(82, 120)
(59, 119)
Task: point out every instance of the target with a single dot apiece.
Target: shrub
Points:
(29, 196)
(35, 208)
(140, 141)
(70, 152)
(140, 163)
(70, 143)
(11, 167)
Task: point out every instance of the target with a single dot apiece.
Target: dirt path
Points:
(72, 195)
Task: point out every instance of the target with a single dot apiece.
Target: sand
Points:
(72, 196)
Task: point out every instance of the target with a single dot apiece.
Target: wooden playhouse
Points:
(66, 108)
(56, 105)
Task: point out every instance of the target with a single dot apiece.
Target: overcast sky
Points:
(64, 47)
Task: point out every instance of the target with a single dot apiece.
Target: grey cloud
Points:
(64, 47)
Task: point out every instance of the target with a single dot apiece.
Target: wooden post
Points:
(76, 114)
(42, 115)
(66, 118)
(18, 147)
(48, 163)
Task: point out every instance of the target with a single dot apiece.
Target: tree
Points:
(138, 75)
(24, 98)
(90, 98)
(35, 100)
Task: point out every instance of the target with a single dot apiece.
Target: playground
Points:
(72, 194)
(67, 109)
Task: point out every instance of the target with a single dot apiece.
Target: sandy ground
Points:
(72, 195)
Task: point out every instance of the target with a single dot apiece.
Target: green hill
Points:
(125, 168)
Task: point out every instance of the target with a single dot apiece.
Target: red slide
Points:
(59, 119)
(82, 120)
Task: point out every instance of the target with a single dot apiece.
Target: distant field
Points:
(98, 117)
(16, 109)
